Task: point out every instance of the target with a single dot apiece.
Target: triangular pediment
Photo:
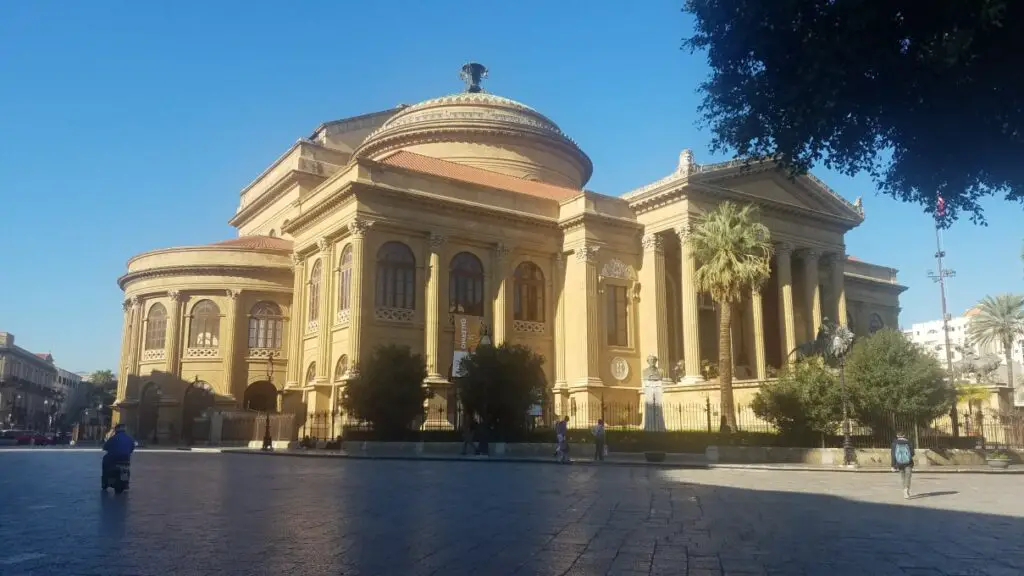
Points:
(774, 188)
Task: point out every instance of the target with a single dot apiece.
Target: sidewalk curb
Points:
(657, 465)
(468, 459)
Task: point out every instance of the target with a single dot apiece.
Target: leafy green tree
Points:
(878, 87)
(888, 375)
(388, 391)
(500, 384)
(103, 379)
(805, 399)
(1000, 319)
(733, 251)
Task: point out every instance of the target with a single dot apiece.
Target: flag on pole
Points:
(940, 207)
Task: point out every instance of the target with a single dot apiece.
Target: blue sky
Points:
(128, 126)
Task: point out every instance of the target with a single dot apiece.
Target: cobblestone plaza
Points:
(190, 513)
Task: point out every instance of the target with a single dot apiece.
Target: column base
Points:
(435, 379)
(692, 379)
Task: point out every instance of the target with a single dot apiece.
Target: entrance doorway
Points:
(149, 412)
(260, 397)
(198, 398)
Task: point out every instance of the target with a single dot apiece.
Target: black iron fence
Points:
(696, 425)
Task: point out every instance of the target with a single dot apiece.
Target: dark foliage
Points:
(500, 385)
(925, 96)
(388, 392)
(806, 399)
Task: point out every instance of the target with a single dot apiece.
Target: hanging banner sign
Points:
(467, 338)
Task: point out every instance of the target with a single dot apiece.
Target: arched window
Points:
(314, 291)
(345, 279)
(205, 331)
(266, 326)
(875, 324)
(528, 301)
(156, 327)
(311, 373)
(466, 285)
(341, 368)
(396, 276)
(272, 234)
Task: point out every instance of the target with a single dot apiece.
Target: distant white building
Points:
(930, 337)
(74, 388)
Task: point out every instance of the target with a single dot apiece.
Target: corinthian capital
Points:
(175, 295)
(587, 253)
(683, 231)
(783, 249)
(323, 244)
(296, 259)
(652, 242)
(358, 227)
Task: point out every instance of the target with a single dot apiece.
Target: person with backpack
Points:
(903, 460)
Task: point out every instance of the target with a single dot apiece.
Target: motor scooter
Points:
(117, 476)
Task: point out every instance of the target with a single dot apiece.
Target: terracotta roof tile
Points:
(257, 243)
(474, 175)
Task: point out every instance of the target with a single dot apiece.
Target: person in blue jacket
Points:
(117, 448)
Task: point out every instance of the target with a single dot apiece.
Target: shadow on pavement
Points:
(213, 514)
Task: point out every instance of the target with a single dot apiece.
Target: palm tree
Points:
(999, 319)
(733, 251)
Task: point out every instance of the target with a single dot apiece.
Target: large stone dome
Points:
(486, 131)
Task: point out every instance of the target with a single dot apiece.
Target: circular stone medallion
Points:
(620, 368)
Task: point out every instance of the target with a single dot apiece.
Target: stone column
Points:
(690, 308)
(357, 229)
(787, 320)
(500, 333)
(173, 344)
(228, 340)
(653, 304)
(296, 323)
(435, 311)
(126, 333)
(323, 361)
(757, 307)
(812, 289)
(559, 289)
(839, 286)
(588, 367)
(134, 338)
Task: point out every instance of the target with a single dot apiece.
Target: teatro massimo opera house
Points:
(383, 228)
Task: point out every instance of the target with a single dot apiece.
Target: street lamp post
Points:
(484, 445)
(268, 440)
(839, 345)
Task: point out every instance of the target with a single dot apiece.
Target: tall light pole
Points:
(940, 277)
(268, 440)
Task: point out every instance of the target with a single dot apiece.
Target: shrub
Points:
(388, 392)
(806, 399)
(500, 384)
(887, 373)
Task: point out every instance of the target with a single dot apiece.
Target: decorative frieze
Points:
(616, 268)
(436, 240)
(312, 326)
(528, 327)
(394, 314)
(322, 244)
(502, 251)
(201, 352)
(263, 353)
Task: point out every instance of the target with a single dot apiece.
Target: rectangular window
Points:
(617, 316)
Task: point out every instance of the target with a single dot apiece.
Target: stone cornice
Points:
(591, 218)
(875, 283)
(274, 192)
(457, 205)
(193, 270)
(321, 210)
(206, 248)
(712, 192)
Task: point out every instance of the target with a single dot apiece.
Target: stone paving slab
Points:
(192, 513)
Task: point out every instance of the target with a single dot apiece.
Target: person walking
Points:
(599, 441)
(562, 440)
(903, 460)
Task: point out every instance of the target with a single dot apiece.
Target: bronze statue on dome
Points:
(472, 74)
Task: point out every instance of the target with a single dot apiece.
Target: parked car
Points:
(36, 438)
(10, 437)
